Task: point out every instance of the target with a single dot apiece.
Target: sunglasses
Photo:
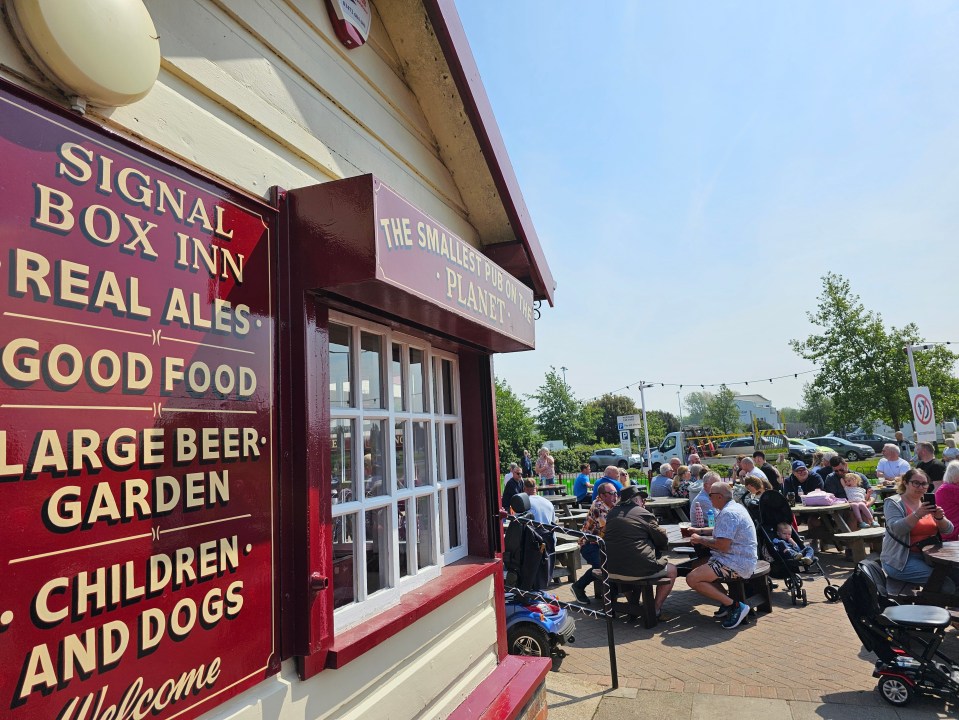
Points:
(918, 483)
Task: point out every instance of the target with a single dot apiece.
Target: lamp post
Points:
(679, 399)
(642, 399)
(564, 369)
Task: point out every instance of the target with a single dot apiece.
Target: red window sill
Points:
(505, 692)
(350, 644)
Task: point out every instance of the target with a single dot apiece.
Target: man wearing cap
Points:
(635, 543)
(801, 477)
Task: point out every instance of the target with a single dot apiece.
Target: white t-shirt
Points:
(542, 510)
(892, 468)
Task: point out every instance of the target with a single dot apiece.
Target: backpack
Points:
(524, 557)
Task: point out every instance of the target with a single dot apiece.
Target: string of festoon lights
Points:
(703, 386)
(692, 387)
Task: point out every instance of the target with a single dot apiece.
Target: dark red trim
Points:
(499, 591)
(505, 691)
(413, 606)
(481, 478)
(452, 39)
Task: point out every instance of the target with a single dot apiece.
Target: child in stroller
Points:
(789, 548)
(784, 549)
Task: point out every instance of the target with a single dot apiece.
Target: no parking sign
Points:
(923, 415)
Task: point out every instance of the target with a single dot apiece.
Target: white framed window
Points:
(397, 491)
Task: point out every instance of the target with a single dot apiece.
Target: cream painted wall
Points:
(453, 647)
(261, 93)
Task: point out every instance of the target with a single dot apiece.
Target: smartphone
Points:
(929, 499)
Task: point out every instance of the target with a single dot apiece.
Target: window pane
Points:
(436, 384)
(421, 453)
(449, 406)
(396, 379)
(371, 370)
(341, 461)
(441, 473)
(403, 519)
(374, 458)
(341, 366)
(418, 401)
(424, 531)
(451, 468)
(377, 550)
(453, 512)
(344, 561)
(399, 445)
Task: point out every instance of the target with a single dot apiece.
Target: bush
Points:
(569, 459)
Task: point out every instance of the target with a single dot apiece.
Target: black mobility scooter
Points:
(906, 638)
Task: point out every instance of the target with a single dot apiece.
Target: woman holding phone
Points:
(912, 516)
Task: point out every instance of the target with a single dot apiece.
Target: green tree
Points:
(670, 422)
(515, 426)
(697, 403)
(721, 411)
(791, 415)
(559, 415)
(605, 410)
(817, 409)
(657, 428)
(861, 364)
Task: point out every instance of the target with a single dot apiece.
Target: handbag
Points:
(819, 498)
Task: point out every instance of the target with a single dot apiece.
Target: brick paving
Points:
(794, 653)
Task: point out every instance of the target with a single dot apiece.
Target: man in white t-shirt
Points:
(749, 468)
(891, 467)
(540, 508)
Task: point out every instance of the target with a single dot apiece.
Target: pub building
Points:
(257, 257)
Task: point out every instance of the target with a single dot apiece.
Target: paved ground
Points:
(804, 662)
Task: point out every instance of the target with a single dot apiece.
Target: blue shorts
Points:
(916, 571)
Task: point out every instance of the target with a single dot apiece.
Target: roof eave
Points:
(452, 39)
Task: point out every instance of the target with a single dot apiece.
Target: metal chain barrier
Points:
(607, 612)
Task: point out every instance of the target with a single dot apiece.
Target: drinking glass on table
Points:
(791, 498)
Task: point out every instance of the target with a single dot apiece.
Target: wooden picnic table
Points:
(943, 560)
(561, 500)
(669, 507)
(831, 521)
(546, 490)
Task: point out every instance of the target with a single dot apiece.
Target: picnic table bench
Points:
(566, 556)
(856, 541)
(755, 591)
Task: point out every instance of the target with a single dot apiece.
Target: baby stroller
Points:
(905, 638)
(773, 509)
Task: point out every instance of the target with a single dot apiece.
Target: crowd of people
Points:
(925, 505)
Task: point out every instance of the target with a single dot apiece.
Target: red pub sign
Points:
(136, 428)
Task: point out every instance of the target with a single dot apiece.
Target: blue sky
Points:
(693, 169)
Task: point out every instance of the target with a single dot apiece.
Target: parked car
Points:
(801, 445)
(849, 450)
(876, 441)
(613, 456)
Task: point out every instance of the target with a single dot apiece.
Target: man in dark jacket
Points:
(513, 486)
(634, 543)
(771, 473)
(801, 478)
